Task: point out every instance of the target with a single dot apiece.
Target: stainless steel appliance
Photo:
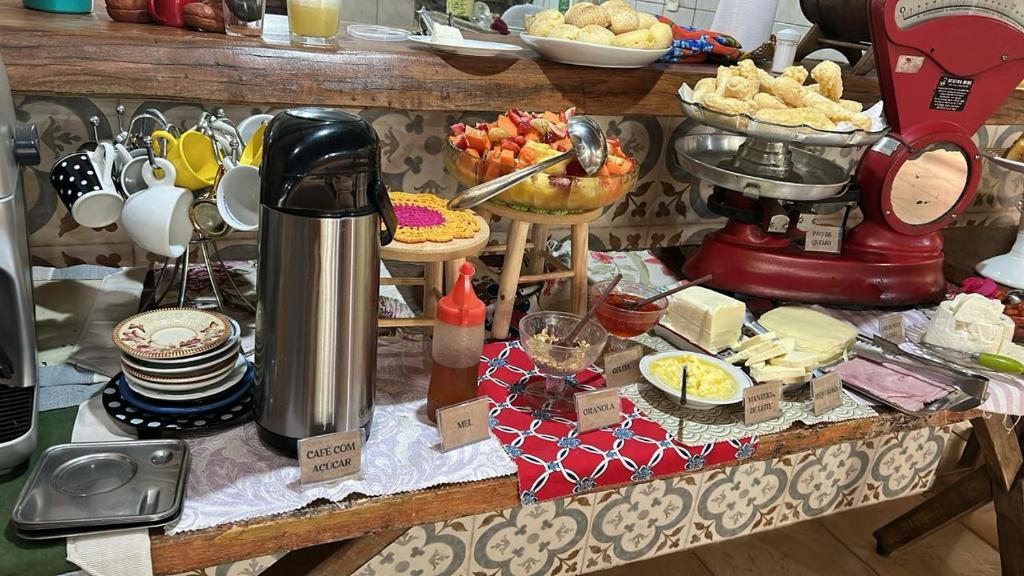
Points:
(17, 313)
(322, 203)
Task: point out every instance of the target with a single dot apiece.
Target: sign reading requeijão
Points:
(329, 456)
(463, 423)
(597, 409)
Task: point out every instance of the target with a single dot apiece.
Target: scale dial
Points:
(910, 13)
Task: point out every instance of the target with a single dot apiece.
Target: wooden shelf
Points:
(92, 56)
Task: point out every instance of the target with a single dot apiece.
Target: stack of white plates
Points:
(180, 354)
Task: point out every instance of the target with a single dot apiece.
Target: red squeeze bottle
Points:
(458, 342)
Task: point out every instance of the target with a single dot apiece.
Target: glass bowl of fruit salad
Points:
(476, 154)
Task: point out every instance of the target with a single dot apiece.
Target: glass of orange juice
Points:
(314, 22)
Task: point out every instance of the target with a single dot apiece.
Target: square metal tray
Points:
(94, 484)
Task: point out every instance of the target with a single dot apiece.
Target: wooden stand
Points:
(860, 55)
(998, 480)
(515, 248)
(439, 259)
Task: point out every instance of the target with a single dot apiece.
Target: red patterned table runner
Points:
(554, 461)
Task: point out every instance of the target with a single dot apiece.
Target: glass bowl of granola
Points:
(541, 335)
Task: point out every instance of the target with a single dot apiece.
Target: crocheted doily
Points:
(425, 218)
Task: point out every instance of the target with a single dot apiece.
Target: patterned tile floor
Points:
(837, 545)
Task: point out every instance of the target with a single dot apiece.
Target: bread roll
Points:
(576, 8)
(622, 20)
(588, 15)
(564, 32)
(611, 4)
(662, 35)
(541, 23)
(593, 34)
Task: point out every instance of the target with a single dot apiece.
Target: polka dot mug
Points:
(84, 183)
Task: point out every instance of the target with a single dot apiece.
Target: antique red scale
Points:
(944, 66)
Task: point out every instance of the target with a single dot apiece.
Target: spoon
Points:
(667, 293)
(589, 147)
(568, 340)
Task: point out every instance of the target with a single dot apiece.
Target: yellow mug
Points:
(252, 154)
(192, 157)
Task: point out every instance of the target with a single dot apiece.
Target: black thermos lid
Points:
(320, 162)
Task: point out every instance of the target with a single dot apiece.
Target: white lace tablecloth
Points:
(724, 423)
(233, 477)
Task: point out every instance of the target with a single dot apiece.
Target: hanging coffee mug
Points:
(84, 184)
(192, 156)
(238, 197)
(157, 218)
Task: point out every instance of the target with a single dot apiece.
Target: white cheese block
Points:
(708, 319)
(446, 34)
(812, 331)
(797, 359)
(970, 323)
(750, 352)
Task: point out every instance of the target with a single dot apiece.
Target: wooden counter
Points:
(328, 522)
(92, 56)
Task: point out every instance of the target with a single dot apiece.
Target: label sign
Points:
(623, 367)
(951, 93)
(826, 393)
(891, 328)
(824, 239)
(460, 8)
(761, 402)
(463, 423)
(329, 456)
(597, 409)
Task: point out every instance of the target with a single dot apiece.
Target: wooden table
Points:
(89, 55)
(369, 524)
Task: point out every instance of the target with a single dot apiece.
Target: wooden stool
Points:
(516, 245)
(439, 259)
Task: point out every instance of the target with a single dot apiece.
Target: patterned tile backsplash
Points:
(667, 208)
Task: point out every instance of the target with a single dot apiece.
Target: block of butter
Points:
(812, 331)
(970, 323)
(708, 319)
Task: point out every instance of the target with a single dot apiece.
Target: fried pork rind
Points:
(748, 70)
(726, 105)
(851, 105)
(790, 91)
(797, 73)
(662, 34)
(741, 88)
(703, 87)
(766, 80)
(764, 101)
(724, 73)
(834, 111)
(795, 117)
(829, 78)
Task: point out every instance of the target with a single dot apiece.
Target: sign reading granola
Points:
(329, 456)
(598, 408)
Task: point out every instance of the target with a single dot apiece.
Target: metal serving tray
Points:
(103, 484)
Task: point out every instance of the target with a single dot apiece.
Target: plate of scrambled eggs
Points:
(710, 382)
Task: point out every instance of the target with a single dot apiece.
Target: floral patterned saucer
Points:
(171, 333)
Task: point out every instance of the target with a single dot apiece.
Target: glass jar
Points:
(314, 22)
(244, 17)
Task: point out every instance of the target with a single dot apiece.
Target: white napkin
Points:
(117, 553)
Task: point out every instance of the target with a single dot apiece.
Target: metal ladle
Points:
(589, 147)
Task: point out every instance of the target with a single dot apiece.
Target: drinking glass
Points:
(314, 22)
(244, 17)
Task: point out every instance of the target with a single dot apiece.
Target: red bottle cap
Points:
(461, 307)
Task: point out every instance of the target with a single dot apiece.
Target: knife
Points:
(993, 362)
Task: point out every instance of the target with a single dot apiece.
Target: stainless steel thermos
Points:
(322, 205)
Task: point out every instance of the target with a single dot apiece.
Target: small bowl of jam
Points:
(619, 314)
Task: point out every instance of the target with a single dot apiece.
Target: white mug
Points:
(238, 197)
(84, 183)
(247, 127)
(156, 218)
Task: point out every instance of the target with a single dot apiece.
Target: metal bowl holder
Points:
(202, 239)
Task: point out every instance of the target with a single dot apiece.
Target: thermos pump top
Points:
(322, 205)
